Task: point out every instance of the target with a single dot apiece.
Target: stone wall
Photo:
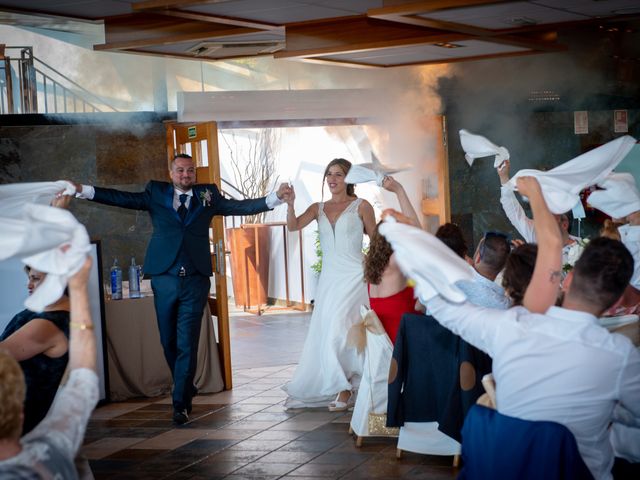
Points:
(121, 151)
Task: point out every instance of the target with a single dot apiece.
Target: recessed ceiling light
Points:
(521, 21)
(448, 45)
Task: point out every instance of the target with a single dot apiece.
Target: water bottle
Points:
(116, 281)
(134, 279)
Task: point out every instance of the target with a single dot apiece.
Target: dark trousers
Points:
(179, 303)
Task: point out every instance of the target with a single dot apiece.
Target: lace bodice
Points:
(342, 241)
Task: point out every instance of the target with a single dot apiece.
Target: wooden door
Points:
(436, 202)
(200, 140)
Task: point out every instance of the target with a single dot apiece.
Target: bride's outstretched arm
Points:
(296, 223)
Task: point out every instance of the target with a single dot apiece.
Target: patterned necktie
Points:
(182, 209)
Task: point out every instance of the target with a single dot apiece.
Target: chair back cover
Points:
(499, 446)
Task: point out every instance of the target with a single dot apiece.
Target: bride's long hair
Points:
(345, 166)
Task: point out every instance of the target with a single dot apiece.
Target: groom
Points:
(178, 259)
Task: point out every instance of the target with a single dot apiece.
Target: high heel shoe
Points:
(339, 406)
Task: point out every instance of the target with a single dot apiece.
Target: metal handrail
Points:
(75, 84)
(29, 87)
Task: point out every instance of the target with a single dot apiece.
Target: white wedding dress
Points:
(327, 365)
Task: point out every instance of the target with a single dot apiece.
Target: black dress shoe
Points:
(180, 417)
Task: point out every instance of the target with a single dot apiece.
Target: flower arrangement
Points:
(571, 255)
(205, 198)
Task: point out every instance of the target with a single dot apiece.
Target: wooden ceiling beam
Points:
(144, 30)
(425, 6)
(356, 34)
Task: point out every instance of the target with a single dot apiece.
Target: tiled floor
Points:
(245, 433)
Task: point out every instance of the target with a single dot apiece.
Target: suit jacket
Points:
(169, 232)
(427, 386)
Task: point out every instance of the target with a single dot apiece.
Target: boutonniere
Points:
(205, 198)
(572, 254)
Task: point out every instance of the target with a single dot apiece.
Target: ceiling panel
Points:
(285, 11)
(86, 9)
(425, 53)
(505, 15)
(594, 8)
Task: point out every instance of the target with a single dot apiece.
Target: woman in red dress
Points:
(389, 295)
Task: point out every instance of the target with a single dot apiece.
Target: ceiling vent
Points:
(227, 49)
(520, 21)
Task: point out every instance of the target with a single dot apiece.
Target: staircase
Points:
(29, 85)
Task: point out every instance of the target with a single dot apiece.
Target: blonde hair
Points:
(12, 392)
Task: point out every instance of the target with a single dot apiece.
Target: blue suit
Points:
(179, 300)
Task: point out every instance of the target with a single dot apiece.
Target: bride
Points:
(328, 369)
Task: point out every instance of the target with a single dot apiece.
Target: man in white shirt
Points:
(572, 247)
(562, 366)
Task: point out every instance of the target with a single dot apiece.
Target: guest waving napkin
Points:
(34, 232)
(561, 186)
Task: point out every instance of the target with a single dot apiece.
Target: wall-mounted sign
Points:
(192, 132)
(620, 121)
(581, 122)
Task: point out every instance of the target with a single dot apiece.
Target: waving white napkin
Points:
(562, 185)
(374, 171)
(620, 196)
(35, 232)
(477, 146)
(425, 259)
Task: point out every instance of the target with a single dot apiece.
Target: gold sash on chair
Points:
(357, 337)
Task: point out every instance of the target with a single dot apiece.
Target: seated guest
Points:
(560, 366)
(621, 201)
(38, 341)
(389, 294)
(49, 449)
(451, 235)
(488, 260)
(518, 271)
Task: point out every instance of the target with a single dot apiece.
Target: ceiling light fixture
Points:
(448, 45)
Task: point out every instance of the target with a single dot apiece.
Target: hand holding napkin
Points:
(477, 146)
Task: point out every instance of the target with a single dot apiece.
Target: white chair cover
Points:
(373, 386)
(424, 437)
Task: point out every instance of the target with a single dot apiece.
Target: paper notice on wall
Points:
(620, 121)
(581, 122)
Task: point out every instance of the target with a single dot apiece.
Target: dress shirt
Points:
(560, 366)
(524, 225)
(88, 192)
(630, 236)
(483, 292)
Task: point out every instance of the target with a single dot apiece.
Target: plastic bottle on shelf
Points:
(134, 279)
(116, 281)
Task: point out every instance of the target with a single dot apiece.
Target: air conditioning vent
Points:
(226, 49)
(520, 21)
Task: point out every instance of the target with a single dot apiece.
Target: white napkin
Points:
(374, 171)
(35, 232)
(620, 196)
(14, 196)
(562, 185)
(477, 146)
(425, 259)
